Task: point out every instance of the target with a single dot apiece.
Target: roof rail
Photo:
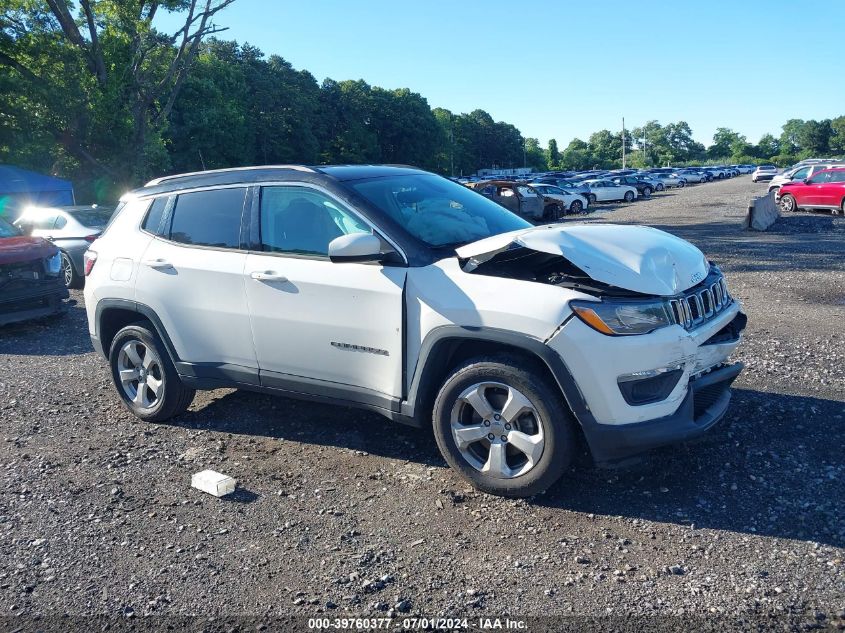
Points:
(158, 181)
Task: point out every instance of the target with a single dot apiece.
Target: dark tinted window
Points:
(837, 176)
(208, 218)
(92, 217)
(152, 222)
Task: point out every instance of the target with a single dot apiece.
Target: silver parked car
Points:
(72, 229)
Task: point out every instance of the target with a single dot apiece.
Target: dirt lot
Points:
(341, 513)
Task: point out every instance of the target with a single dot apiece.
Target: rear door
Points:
(831, 191)
(191, 275)
(318, 325)
(816, 191)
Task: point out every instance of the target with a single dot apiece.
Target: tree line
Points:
(93, 92)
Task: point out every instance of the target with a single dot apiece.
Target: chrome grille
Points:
(701, 303)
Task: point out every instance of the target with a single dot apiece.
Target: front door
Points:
(314, 322)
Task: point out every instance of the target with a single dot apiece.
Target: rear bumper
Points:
(703, 407)
(43, 299)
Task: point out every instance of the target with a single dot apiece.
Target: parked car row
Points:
(549, 196)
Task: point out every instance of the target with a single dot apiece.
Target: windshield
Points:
(92, 217)
(438, 211)
(8, 230)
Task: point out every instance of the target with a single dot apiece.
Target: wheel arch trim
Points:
(128, 305)
(426, 370)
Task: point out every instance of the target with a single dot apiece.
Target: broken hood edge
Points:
(637, 258)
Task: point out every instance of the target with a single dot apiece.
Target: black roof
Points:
(265, 173)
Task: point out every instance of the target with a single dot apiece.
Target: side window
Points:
(302, 221)
(801, 174)
(208, 218)
(44, 221)
(61, 221)
(837, 176)
(152, 223)
(821, 178)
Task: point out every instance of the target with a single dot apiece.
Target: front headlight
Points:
(53, 265)
(623, 318)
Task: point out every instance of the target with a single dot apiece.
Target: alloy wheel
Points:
(787, 203)
(497, 430)
(67, 270)
(141, 374)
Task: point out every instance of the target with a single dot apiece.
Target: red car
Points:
(825, 190)
(31, 283)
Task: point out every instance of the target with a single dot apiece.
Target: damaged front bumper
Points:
(684, 378)
(22, 300)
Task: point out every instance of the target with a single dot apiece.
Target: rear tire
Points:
(552, 213)
(647, 192)
(144, 375)
(592, 198)
(539, 439)
(629, 196)
(659, 187)
(71, 277)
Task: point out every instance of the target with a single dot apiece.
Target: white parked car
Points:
(407, 294)
(672, 180)
(609, 191)
(764, 172)
(572, 202)
(695, 176)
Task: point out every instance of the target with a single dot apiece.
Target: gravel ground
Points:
(340, 513)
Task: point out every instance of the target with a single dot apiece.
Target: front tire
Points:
(788, 204)
(592, 198)
(144, 375)
(576, 207)
(629, 196)
(71, 277)
(501, 424)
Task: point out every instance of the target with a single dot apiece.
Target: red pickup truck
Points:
(31, 284)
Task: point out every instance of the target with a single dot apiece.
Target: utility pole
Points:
(623, 142)
(451, 148)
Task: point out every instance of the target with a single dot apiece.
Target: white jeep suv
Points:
(402, 292)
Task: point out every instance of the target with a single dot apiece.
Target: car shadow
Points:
(773, 467)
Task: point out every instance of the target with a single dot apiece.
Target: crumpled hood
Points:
(14, 250)
(637, 258)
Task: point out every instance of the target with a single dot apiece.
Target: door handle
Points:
(158, 264)
(267, 275)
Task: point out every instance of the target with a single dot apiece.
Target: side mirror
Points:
(355, 247)
(806, 181)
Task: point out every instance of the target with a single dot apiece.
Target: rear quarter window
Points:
(208, 218)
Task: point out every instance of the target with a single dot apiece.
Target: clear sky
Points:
(564, 69)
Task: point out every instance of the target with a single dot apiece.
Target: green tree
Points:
(837, 136)
(605, 149)
(724, 140)
(553, 154)
(100, 80)
(813, 137)
(790, 137)
(535, 157)
(766, 147)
